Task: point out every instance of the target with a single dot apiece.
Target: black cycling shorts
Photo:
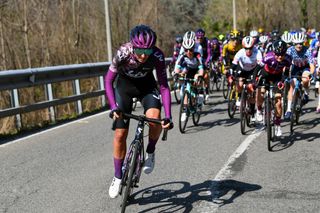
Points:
(266, 77)
(144, 89)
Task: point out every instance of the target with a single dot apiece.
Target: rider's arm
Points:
(108, 81)
(310, 60)
(163, 82)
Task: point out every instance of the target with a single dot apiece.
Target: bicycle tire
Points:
(183, 124)
(267, 112)
(285, 98)
(294, 114)
(176, 91)
(196, 115)
(243, 116)
(232, 101)
(129, 180)
(218, 83)
(225, 88)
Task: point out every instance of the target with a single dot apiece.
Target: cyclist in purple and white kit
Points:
(276, 67)
(132, 72)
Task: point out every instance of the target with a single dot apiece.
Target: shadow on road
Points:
(181, 196)
(299, 134)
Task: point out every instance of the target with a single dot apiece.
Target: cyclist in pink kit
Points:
(132, 72)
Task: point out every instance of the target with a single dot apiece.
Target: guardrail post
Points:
(14, 104)
(101, 85)
(78, 92)
(50, 98)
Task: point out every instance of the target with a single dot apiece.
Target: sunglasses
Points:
(188, 50)
(248, 48)
(299, 44)
(141, 51)
(199, 37)
(280, 54)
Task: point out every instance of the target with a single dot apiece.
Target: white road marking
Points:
(226, 173)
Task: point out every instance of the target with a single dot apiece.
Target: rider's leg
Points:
(278, 113)
(292, 85)
(154, 129)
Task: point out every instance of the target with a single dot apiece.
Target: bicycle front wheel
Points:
(232, 101)
(243, 114)
(268, 119)
(197, 113)
(128, 177)
(225, 90)
(176, 91)
(184, 112)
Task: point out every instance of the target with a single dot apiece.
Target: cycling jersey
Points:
(248, 63)
(272, 66)
(300, 60)
(229, 50)
(126, 66)
(206, 50)
(190, 66)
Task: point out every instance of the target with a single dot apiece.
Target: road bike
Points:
(135, 158)
(191, 101)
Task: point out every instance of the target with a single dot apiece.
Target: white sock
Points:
(289, 106)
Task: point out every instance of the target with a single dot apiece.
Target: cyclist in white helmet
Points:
(302, 65)
(190, 35)
(246, 63)
(189, 64)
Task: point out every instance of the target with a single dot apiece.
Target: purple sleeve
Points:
(163, 83)
(108, 81)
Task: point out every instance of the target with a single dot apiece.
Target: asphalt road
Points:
(210, 168)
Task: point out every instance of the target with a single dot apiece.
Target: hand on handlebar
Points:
(115, 114)
(167, 123)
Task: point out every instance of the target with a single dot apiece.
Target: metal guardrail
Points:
(13, 80)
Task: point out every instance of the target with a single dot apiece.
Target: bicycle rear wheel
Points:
(183, 120)
(128, 177)
(243, 113)
(232, 101)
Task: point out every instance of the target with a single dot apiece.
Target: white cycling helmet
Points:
(189, 35)
(263, 39)
(254, 33)
(248, 42)
(188, 40)
(298, 38)
(286, 37)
